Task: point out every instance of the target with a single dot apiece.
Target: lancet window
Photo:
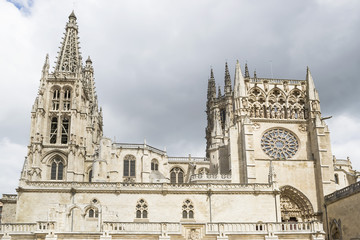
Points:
(56, 99)
(65, 130)
(93, 213)
(129, 166)
(176, 175)
(53, 129)
(154, 165)
(57, 169)
(141, 209)
(67, 99)
(90, 175)
(188, 209)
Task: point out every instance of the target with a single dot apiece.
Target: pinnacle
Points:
(72, 15)
(211, 73)
(89, 59)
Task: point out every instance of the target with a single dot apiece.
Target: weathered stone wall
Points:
(343, 205)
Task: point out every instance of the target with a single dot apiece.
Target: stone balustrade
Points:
(18, 227)
(176, 228)
(187, 159)
(342, 193)
(263, 228)
(208, 177)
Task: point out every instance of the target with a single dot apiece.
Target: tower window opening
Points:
(57, 170)
(67, 97)
(154, 165)
(56, 100)
(65, 130)
(53, 130)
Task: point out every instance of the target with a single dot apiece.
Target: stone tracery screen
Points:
(279, 143)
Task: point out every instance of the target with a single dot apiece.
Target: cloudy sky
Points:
(152, 61)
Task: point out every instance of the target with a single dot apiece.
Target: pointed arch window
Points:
(65, 130)
(141, 209)
(53, 130)
(176, 175)
(67, 99)
(188, 209)
(57, 170)
(90, 175)
(56, 100)
(336, 178)
(129, 166)
(154, 165)
(93, 213)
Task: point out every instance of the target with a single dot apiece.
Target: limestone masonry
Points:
(267, 168)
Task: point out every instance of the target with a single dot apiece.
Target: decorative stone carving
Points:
(256, 126)
(302, 128)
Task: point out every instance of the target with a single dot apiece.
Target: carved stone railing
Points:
(139, 146)
(142, 228)
(263, 228)
(342, 193)
(18, 227)
(124, 187)
(9, 198)
(188, 159)
(277, 81)
(207, 177)
(166, 228)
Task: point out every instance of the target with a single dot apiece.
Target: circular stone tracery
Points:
(279, 143)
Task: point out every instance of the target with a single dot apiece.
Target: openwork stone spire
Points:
(69, 59)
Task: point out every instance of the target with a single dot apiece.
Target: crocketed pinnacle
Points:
(227, 80)
(211, 94)
(69, 59)
(247, 75)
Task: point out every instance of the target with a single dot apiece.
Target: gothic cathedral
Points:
(267, 167)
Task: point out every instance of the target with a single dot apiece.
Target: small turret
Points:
(45, 70)
(219, 92)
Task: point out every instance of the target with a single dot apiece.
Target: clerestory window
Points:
(129, 166)
(57, 170)
(154, 165)
(176, 175)
(141, 209)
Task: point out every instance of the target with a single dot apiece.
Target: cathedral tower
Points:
(270, 123)
(66, 124)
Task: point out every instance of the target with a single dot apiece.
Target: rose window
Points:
(279, 143)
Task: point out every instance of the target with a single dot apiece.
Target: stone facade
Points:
(343, 213)
(268, 165)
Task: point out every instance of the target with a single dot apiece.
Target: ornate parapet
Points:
(9, 198)
(161, 188)
(343, 193)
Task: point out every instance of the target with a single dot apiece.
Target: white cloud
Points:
(345, 130)
(11, 162)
